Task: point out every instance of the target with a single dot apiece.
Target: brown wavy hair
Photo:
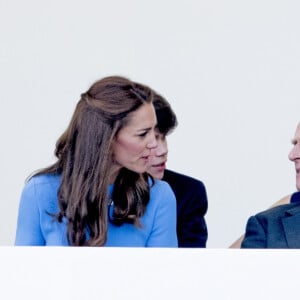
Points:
(84, 160)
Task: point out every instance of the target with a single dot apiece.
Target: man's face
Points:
(158, 156)
(294, 155)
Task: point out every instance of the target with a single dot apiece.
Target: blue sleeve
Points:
(255, 236)
(163, 233)
(28, 231)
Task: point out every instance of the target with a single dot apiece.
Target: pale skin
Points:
(158, 156)
(133, 144)
(294, 156)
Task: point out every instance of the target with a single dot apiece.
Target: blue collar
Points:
(295, 197)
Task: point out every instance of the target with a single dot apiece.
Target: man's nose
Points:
(152, 141)
(161, 149)
(292, 155)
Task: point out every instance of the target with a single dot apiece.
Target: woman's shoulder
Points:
(45, 178)
(157, 184)
(40, 192)
(43, 181)
(162, 199)
(161, 190)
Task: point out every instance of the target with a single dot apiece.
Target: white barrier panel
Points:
(144, 273)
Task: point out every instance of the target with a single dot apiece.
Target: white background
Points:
(230, 69)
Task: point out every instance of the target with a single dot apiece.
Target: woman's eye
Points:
(143, 134)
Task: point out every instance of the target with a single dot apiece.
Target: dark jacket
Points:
(278, 227)
(191, 208)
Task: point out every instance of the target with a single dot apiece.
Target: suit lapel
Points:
(291, 226)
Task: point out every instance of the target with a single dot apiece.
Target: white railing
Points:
(148, 273)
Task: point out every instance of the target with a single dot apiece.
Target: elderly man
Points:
(278, 227)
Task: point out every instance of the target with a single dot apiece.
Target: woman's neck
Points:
(115, 170)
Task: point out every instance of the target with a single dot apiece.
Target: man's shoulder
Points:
(295, 197)
(279, 211)
(182, 179)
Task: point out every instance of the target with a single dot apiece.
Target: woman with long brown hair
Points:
(98, 193)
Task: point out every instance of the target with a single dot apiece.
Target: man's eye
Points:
(160, 137)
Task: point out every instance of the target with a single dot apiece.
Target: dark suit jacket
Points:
(191, 207)
(278, 227)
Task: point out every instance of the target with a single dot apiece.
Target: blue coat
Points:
(37, 227)
(278, 227)
(191, 208)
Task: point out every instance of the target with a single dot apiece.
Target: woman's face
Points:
(133, 144)
(158, 157)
